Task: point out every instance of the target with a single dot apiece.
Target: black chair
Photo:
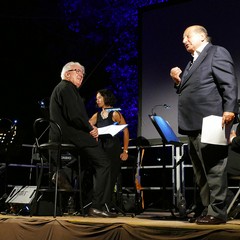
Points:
(44, 151)
(234, 208)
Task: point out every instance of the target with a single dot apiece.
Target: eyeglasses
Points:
(77, 71)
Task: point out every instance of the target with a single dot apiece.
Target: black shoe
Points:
(93, 212)
(197, 219)
(200, 212)
(63, 182)
(197, 216)
(209, 220)
(5, 212)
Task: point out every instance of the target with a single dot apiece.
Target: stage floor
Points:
(148, 225)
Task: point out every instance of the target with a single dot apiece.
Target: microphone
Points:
(160, 105)
(166, 106)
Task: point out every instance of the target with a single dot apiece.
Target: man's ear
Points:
(67, 74)
(203, 37)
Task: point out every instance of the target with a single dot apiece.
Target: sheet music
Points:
(212, 131)
(111, 129)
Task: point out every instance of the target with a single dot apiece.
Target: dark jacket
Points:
(68, 110)
(208, 88)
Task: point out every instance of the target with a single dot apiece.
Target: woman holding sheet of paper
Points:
(112, 145)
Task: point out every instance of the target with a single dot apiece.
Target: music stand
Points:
(168, 137)
(164, 129)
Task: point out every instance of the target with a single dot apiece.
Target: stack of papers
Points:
(111, 129)
(212, 131)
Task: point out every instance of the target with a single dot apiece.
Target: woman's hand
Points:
(124, 156)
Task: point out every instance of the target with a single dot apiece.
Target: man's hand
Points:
(227, 118)
(175, 75)
(94, 132)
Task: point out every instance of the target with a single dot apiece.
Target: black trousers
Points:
(101, 164)
(209, 165)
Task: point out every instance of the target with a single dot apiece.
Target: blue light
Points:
(119, 22)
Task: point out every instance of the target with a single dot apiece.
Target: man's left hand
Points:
(227, 118)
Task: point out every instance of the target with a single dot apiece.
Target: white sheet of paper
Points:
(111, 129)
(212, 131)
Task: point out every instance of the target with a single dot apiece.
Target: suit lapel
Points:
(188, 73)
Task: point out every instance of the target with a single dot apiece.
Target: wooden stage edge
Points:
(140, 227)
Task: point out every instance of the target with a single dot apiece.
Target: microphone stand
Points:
(159, 105)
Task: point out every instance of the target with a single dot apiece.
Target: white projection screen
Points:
(161, 29)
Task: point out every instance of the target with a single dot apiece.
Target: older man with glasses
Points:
(68, 110)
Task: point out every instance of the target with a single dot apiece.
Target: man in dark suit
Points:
(208, 86)
(68, 110)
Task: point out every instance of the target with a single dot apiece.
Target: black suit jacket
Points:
(68, 110)
(208, 88)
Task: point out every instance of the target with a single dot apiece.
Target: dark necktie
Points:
(191, 63)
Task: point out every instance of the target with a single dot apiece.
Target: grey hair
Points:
(68, 67)
(201, 29)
